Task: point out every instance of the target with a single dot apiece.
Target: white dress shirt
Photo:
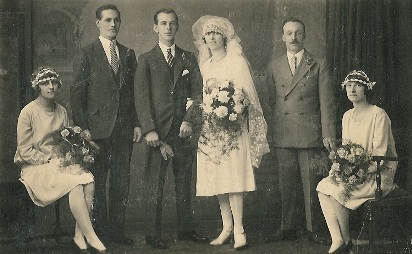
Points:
(298, 55)
(164, 49)
(106, 46)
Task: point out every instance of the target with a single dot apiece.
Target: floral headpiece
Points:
(216, 24)
(223, 26)
(44, 75)
(358, 76)
(212, 28)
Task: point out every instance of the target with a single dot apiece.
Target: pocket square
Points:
(185, 72)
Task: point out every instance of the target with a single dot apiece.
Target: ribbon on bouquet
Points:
(166, 150)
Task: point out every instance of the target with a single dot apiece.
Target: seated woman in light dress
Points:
(233, 135)
(369, 126)
(41, 173)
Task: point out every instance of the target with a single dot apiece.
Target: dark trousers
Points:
(297, 173)
(112, 163)
(154, 181)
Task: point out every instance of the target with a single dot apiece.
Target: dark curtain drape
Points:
(375, 36)
(254, 25)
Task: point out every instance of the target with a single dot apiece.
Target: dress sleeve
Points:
(242, 77)
(380, 135)
(26, 153)
(383, 143)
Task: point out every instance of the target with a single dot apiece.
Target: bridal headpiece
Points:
(358, 76)
(223, 26)
(44, 75)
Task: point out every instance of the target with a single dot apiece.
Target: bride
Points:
(233, 136)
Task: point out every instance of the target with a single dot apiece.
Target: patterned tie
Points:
(114, 60)
(170, 58)
(293, 61)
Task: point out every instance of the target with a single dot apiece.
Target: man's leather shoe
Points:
(156, 242)
(319, 239)
(282, 235)
(192, 236)
(123, 240)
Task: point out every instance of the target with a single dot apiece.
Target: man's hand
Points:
(185, 130)
(329, 143)
(152, 139)
(86, 135)
(137, 134)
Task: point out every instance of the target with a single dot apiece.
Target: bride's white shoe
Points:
(223, 238)
(240, 241)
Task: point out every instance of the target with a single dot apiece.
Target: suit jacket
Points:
(303, 105)
(161, 92)
(99, 98)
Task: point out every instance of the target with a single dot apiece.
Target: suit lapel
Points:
(107, 69)
(283, 68)
(122, 58)
(160, 59)
(304, 66)
(178, 65)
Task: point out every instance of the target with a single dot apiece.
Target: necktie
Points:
(170, 57)
(293, 66)
(114, 60)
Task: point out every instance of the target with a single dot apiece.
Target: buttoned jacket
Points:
(98, 97)
(302, 106)
(161, 91)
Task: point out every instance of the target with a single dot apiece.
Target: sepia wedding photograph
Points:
(205, 126)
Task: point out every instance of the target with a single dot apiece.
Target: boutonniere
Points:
(185, 72)
(308, 60)
(186, 61)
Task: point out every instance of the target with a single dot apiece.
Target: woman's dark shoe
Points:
(340, 250)
(76, 249)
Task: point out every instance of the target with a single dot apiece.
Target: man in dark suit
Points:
(303, 117)
(102, 102)
(166, 76)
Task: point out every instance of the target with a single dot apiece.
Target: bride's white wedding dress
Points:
(234, 172)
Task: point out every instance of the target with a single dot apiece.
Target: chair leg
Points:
(372, 226)
(57, 228)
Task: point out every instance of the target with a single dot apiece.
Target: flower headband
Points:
(45, 75)
(358, 76)
(213, 28)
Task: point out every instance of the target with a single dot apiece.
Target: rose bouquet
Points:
(73, 148)
(224, 107)
(351, 166)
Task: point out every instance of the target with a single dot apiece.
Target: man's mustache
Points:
(294, 42)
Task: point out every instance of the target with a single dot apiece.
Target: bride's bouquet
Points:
(224, 108)
(73, 148)
(351, 166)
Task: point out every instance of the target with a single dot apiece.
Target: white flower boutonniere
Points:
(308, 60)
(189, 103)
(185, 72)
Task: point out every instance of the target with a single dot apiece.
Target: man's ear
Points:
(98, 23)
(283, 37)
(155, 28)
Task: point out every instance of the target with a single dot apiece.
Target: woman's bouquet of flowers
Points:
(224, 107)
(73, 148)
(351, 166)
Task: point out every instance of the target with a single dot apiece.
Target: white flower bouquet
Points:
(224, 108)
